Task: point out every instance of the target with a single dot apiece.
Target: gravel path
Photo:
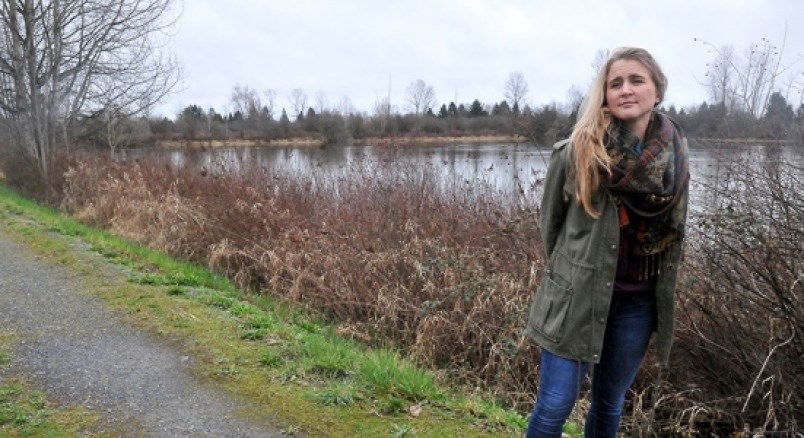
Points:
(74, 349)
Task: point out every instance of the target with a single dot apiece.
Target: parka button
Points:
(601, 320)
(594, 356)
(613, 246)
(608, 284)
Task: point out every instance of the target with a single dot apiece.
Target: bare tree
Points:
(574, 99)
(298, 100)
(61, 60)
(117, 126)
(270, 102)
(382, 111)
(247, 101)
(345, 106)
(749, 80)
(720, 76)
(122, 130)
(516, 88)
(420, 96)
(321, 101)
(601, 56)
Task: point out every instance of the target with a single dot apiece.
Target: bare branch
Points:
(420, 96)
(61, 60)
(516, 88)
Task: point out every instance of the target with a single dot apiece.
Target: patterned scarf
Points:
(650, 180)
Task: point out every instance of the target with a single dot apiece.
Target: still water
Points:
(510, 171)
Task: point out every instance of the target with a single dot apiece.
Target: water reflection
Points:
(512, 171)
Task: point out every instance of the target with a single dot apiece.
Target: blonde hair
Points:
(588, 135)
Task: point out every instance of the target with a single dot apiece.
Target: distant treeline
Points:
(543, 125)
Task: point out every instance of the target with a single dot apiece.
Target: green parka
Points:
(569, 311)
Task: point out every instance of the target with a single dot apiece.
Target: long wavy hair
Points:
(589, 134)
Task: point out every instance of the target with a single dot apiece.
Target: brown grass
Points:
(445, 278)
(448, 277)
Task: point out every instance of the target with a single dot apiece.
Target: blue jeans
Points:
(628, 331)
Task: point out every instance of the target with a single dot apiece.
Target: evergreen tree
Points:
(778, 109)
(672, 111)
(501, 109)
(266, 113)
(778, 117)
(453, 110)
(193, 112)
(442, 113)
(476, 110)
(214, 115)
(284, 120)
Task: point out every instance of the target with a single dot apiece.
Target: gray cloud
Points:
(463, 48)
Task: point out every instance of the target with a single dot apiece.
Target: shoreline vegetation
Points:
(446, 276)
(402, 140)
(420, 140)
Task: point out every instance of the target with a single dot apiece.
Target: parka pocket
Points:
(551, 305)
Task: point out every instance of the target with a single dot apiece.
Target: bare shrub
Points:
(447, 275)
(130, 202)
(738, 363)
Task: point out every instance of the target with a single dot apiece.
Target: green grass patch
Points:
(271, 358)
(386, 373)
(175, 290)
(493, 413)
(283, 359)
(573, 430)
(26, 412)
(23, 410)
(328, 356)
(402, 431)
(338, 395)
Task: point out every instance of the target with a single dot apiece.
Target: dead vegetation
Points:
(448, 277)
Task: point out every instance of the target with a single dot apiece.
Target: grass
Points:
(26, 412)
(23, 411)
(445, 276)
(292, 366)
(338, 395)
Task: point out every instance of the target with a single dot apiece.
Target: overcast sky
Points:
(465, 49)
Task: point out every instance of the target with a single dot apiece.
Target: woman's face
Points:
(631, 94)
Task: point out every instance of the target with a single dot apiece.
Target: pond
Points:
(510, 171)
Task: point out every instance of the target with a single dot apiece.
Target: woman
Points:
(612, 220)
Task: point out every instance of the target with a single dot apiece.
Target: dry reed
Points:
(447, 275)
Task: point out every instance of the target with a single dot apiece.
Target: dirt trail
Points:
(78, 352)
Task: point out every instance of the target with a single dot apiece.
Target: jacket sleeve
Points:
(553, 209)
